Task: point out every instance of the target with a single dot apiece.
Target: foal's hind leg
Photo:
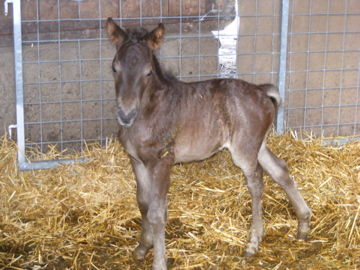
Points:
(279, 172)
(253, 172)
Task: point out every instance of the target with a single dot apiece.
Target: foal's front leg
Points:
(153, 184)
(143, 181)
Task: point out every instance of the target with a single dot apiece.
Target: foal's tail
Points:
(273, 92)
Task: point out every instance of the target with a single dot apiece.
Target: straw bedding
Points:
(84, 215)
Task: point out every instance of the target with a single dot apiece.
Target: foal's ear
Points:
(155, 37)
(115, 33)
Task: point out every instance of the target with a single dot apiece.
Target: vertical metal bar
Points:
(101, 76)
(180, 38)
(161, 20)
(238, 51)
(120, 13)
(81, 97)
(254, 42)
(326, 47)
(19, 81)
(141, 13)
(199, 41)
(282, 64)
(356, 120)
(39, 88)
(339, 120)
(289, 64)
(237, 14)
(161, 10)
(79, 12)
(60, 79)
(308, 67)
(219, 69)
(273, 43)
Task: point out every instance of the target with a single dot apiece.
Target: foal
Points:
(165, 121)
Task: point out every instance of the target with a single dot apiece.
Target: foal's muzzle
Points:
(126, 119)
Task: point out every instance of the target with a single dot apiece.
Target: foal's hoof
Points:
(139, 253)
(302, 235)
(249, 252)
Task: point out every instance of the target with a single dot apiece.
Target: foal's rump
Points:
(255, 104)
(252, 109)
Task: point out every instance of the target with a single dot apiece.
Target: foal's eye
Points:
(113, 69)
(149, 73)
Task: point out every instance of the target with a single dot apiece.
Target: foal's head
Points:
(133, 67)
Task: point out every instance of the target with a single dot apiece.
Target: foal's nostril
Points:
(126, 118)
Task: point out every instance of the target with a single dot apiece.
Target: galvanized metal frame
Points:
(282, 64)
(23, 163)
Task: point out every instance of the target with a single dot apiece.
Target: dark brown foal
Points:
(165, 121)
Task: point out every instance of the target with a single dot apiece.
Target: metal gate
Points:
(323, 74)
(64, 89)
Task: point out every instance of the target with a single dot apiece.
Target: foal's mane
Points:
(166, 77)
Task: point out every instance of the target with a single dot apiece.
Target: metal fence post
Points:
(23, 163)
(18, 80)
(282, 66)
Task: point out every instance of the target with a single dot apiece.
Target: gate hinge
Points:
(10, 128)
(6, 3)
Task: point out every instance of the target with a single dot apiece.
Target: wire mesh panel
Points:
(68, 96)
(323, 67)
(258, 45)
(260, 48)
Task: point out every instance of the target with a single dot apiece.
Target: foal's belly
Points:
(195, 148)
(188, 155)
